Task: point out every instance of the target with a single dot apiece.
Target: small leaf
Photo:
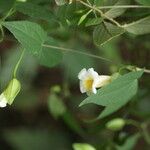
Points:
(115, 12)
(93, 21)
(111, 95)
(34, 10)
(129, 143)
(83, 17)
(83, 146)
(139, 27)
(105, 32)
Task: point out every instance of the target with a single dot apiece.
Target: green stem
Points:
(76, 51)
(18, 63)
(2, 33)
(90, 55)
(123, 6)
(10, 12)
(101, 13)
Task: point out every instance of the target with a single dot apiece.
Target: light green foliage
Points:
(139, 27)
(105, 32)
(34, 10)
(83, 146)
(129, 143)
(56, 106)
(32, 37)
(115, 12)
(111, 97)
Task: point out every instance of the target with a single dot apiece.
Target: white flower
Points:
(3, 100)
(90, 80)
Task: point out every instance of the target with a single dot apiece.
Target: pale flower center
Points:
(88, 84)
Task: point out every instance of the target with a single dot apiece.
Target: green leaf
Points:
(93, 21)
(29, 34)
(115, 12)
(139, 27)
(129, 143)
(84, 17)
(56, 106)
(60, 2)
(83, 146)
(111, 97)
(34, 10)
(32, 37)
(144, 2)
(106, 32)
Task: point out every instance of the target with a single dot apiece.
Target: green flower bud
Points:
(116, 124)
(12, 90)
(83, 146)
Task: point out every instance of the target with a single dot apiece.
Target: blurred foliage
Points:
(60, 37)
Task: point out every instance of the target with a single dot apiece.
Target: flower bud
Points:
(116, 124)
(12, 90)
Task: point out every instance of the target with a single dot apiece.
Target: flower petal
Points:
(92, 73)
(82, 73)
(103, 80)
(82, 88)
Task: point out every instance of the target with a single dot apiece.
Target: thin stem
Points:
(101, 13)
(90, 55)
(2, 33)
(123, 6)
(76, 51)
(10, 12)
(18, 63)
